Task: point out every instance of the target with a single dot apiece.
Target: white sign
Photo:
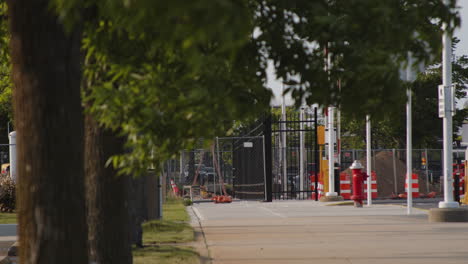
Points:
(248, 144)
(443, 91)
(441, 101)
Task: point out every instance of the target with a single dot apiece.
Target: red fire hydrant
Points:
(358, 183)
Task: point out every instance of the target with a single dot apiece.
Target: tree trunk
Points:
(106, 193)
(49, 123)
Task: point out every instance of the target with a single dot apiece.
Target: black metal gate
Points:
(273, 158)
(294, 155)
(276, 157)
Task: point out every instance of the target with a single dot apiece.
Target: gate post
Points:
(268, 159)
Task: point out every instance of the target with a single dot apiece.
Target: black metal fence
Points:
(294, 155)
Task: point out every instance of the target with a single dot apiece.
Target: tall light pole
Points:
(331, 152)
(409, 144)
(445, 111)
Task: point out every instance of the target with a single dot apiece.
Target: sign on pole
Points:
(443, 91)
(441, 101)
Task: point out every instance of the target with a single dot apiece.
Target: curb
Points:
(200, 242)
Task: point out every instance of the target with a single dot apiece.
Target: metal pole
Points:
(264, 170)
(394, 172)
(301, 152)
(219, 166)
(427, 171)
(316, 156)
(331, 151)
(338, 136)
(13, 156)
(447, 118)
(181, 165)
(268, 159)
(214, 168)
(409, 147)
(283, 141)
(160, 187)
(369, 164)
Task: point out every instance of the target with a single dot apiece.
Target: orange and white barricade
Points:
(319, 187)
(373, 186)
(175, 189)
(414, 187)
(345, 185)
(312, 187)
(459, 171)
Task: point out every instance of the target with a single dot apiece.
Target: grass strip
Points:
(8, 218)
(173, 228)
(165, 255)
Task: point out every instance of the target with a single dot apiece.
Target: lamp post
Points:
(445, 111)
(331, 152)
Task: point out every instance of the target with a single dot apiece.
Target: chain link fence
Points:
(235, 163)
(390, 168)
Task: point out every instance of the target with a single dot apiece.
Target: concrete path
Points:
(309, 232)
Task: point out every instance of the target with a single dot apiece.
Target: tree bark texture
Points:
(49, 123)
(106, 193)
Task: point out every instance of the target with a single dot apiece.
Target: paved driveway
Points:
(309, 232)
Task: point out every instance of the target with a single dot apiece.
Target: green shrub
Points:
(7, 194)
(188, 202)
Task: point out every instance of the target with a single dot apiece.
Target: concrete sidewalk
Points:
(309, 232)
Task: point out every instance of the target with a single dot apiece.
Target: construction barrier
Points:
(312, 186)
(373, 186)
(459, 171)
(414, 187)
(465, 180)
(345, 185)
(319, 187)
(462, 189)
(175, 189)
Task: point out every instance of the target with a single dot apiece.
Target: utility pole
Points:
(331, 152)
(331, 194)
(449, 210)
(409, 145)
(445, 111)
